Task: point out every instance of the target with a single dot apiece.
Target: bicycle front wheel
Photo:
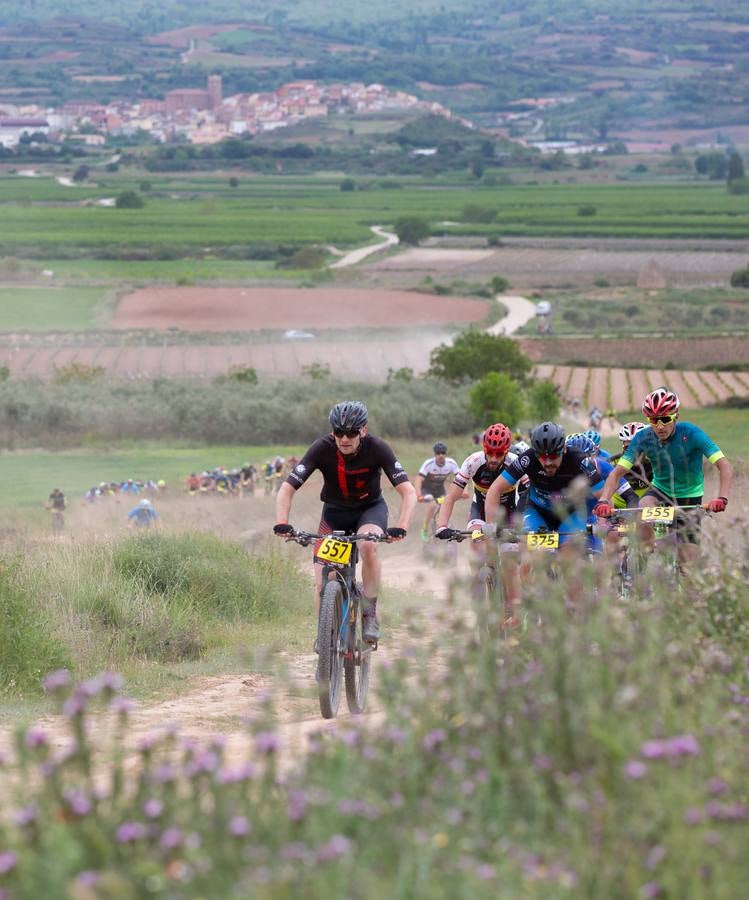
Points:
(329, 668)
(356, 662)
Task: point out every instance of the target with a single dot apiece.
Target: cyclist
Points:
(56, 502)
(560, 480)
(641, 473)
(247, 482)
(675, 451)
(595, 436)
(143, 515)
(430, 482)
(351, 461)
(483, 469)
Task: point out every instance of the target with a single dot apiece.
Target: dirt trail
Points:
(219, 706)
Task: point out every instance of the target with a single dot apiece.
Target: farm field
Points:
(29, 308)
(622, 389)
(315, 210)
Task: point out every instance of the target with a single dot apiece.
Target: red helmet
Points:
(497, 439)
(660, 402)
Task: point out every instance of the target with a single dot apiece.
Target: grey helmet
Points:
(548, 437)
(440, 447)
(348, 416)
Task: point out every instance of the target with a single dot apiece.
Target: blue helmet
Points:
(595, 436)
(582, 443)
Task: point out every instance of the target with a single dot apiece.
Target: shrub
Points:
(129, 200)
(28, 647)
(411, 229)
(496, 398)
(478, 214)
(587, 210)
(474, 353)
(77, 371)
(740, 278)
(305, 258)
(499, 284)
(348, 184)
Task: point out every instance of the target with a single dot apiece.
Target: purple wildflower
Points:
(8, 861)
(239, 826)
(716, 787)
(36, 737)
(294, 851)
(170, 839)
(27, 815)
(635, 769)
(655, 857)
(349, 737)
(336, 847)
(56, 681)
(395, 735)
(727, 812)
(683, 745)
(653, 750)
(267, 742)
(110, 681)
(694, 816)
(651, 890)
(485, 872)
(129, 832)
(152, 808)
(74, 706)
(77, 802)
(163, 773)
(202, 761)
(123, 706)
(88, 878)
(434, 739)
(297, 806)
(246, 772)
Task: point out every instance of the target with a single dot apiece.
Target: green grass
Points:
(208, 213)
(30, 475)
(50, 308)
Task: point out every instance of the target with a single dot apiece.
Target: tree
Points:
(81, 173)
(543, 401)
(348, 184)
(474, 353)
(411, 229)
(496, 398)
(740, 278)
(735, 167)
(129, 200)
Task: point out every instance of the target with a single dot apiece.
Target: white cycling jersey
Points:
(435, 475)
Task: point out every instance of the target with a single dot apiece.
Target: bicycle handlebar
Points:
(305, 538)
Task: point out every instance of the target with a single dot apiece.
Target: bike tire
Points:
(329, 668)
(356, 676)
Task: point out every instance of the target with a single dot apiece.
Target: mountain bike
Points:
(58, 520)
(666, 520)
(341, 649)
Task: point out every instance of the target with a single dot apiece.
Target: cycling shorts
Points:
(351, 519)
(535, 519)
(688, 522)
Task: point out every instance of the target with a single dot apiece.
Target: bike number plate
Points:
(547, 540)
(335, 551)
(657, 513)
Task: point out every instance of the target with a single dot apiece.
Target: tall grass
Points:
(156, 598)
(601, 753)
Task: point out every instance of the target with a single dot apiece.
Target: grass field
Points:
(30, 475)
(148, 271)
(205, 212)
(50, 309)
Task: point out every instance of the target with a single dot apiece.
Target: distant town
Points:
(204, 116)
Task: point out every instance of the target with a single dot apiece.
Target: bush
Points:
(740, 278)
(543, 401)
(478, 214)
(587, 210)
(305, 258)
(474, 353)
(499, 284)
(129, 200)
(496, 398)
(28, 646)
(348, 184)
(411, 229)
(77, 371)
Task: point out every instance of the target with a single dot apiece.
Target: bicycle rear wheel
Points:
(356, 662)
(329, 650)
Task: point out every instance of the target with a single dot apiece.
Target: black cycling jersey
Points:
(349, 479)
(640, 475)
(547, 492)
(57, 500)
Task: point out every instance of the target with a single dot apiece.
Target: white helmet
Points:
(145, 503)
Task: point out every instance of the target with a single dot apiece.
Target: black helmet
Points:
(348, 416)
(548, 437)
(440, 447)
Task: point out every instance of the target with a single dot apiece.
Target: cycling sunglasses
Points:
(346, 432)
(662, 420)
(549, 457)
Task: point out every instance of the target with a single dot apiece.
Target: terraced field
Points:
(623, 389)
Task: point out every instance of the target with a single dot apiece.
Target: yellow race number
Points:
(335, 551)
(657, 514)
(546, 540)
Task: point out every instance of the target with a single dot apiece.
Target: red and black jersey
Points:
(351, 479)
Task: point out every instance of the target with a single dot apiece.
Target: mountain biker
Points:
(560, 480)
(430, 482)
(143, 515)
(675, 450)
(483, 469)
(641, 473)
(351, 461)
(595, 436)
(56, 500)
